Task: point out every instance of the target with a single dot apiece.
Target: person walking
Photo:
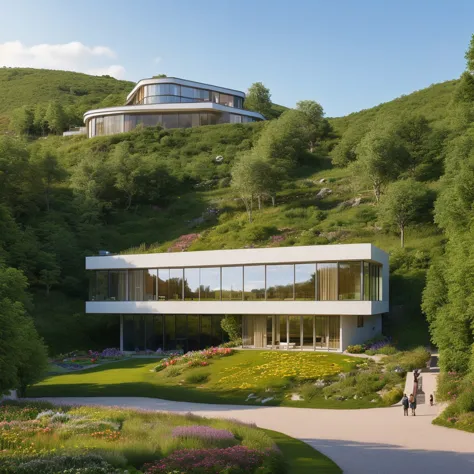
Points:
(413, 404)
(431, 400)
(405, 404)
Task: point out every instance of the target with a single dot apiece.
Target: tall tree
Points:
(39, 120)
(21, 121)
(381, 157)
(258, 99)
(245, 181)
(318, 126)
(55, 117)
(469, 56)
(402, 204)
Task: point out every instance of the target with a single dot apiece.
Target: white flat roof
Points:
(212, 258)
(182, 82)
(173, 107)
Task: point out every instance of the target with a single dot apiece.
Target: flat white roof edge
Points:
(210, 258)
(182, 82)
(172, 107)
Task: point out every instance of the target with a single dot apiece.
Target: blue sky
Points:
(346, 54)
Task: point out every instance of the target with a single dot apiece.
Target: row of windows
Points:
(304, 281)
(172, 93)
(110, 124)
(168, 332)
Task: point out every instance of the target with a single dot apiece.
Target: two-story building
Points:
(308, 298)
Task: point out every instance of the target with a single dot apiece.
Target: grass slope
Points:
(227, 380)
(27, 86)
(302, 458)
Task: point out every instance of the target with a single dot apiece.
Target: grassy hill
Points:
(27, 86)
(187, 204)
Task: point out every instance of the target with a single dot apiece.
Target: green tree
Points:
(55, 117)
(245, 182)
(39, 120)
(21, 120)
(318, 126)
(381, 157)
(258, 99)
(469, 56)
(345, 152)
(402, 204)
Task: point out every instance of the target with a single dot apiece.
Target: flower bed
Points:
(38, 437)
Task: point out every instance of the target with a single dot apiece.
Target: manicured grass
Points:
(266, 374)
(301, 457)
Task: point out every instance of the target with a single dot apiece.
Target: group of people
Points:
(411, 403)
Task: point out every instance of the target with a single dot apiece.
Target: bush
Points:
(356, 349)
(393, 396)
(411, 360)
(195, 378)
(172, 371)
(465, 401)
(232, 325)
(309, 391)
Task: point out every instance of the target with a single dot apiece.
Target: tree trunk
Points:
(402, 236)
(377, 193)
(259, 201)
(129, 202)
(273, 200)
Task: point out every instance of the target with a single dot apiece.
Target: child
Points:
(431, 400)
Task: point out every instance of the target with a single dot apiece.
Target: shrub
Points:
(232, 325)
(465, 401)
(356, 349)
(172, 371)
(202, 432)
(387, 350)
(195, 378)
(393, 396)
(309, 391)
(236, 459)
(449, 384)
(410, 360)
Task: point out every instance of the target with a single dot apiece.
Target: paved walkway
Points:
(370, 441)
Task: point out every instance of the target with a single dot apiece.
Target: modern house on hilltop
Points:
(171, 103)
(290, 298)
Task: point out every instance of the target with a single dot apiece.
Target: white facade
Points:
(358, 319)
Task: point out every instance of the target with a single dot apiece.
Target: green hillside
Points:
(27, 86)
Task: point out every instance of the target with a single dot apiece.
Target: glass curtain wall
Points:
(327, 281)
(349, 286)
(280, 282)
(305, 282)
(210, 284)
(232, 283)
(254, 282)
(191, 284)
(254, 331)
(136, 285)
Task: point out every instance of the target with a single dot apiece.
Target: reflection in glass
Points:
(216, 329)
(366, 282)
(128, 333)
(305, 281)
(193, 332)
(280, 280)
(327, 281)
(176, 284)
(101, 287)
(191, 284)
(308, 331)
(135, 285)
(163, 283)
(232, 283)
(150, 284)
(206, 330)
(270, 331)
(349, 280)
(254, 282)
(321, 331)
(334, 331)
(281, 336)
(294, 328)
(210, 283)
(181, 332)
(170, 332)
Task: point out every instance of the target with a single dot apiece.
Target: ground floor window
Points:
(291, 332)
(170, 332)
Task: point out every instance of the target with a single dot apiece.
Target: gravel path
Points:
(370, 441)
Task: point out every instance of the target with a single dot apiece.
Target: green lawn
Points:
(226, 380)
(301, 457)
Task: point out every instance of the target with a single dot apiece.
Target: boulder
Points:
(322, 180)
(295, 397)
(265, 400)
(323, 193)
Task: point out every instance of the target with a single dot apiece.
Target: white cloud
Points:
(73, 56)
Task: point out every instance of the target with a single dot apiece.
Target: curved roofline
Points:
(182, 82)
(173, 107)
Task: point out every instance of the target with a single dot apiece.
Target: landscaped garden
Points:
(223, 375)
(42, 438)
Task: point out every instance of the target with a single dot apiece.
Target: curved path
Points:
(370, 441)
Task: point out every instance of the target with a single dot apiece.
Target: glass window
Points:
(305, 281)
(216, 329)
(294, 328)
(227, 100)
(321, 330)
(181, 332)
(232, 283)
(215, 97)
(210, 283)
(187, 92)
(334, 332)
(202, 95)
(360, 321)
(175, 89)
(170, 332)
(191, 284)
(176, 284)
(139, 333)
(100, 286)
(238, 102)
(135, 285)
(118, 285)
(154, 332)
(204, 119)
(195, 120)
(150, 284)
(206, 330)
(308, 322)
(349, 280)
(212, 118)
(327, 281)
(163, 284)
(254, 282)
(280, 280)
(366, 282)
(128, 333)
(185, 120)
(170, 120)
(193, 332)
(281, 333)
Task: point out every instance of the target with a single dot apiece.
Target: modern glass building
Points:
(171, 103)
(306, 298)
